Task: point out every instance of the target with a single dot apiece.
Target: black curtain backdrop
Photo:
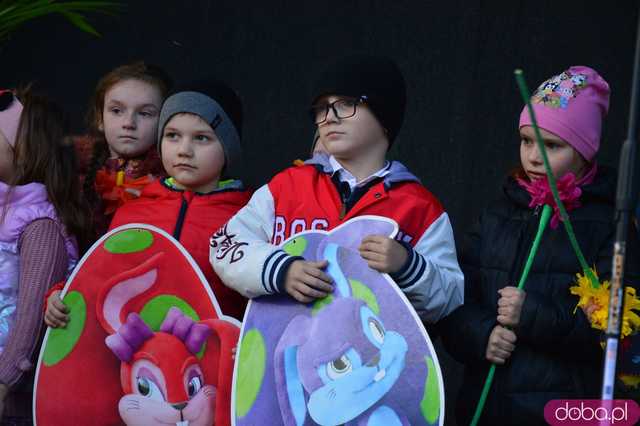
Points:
(460, 130)
(459, 135)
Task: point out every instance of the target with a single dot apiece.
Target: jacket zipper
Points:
(359, 193)
(181, 215)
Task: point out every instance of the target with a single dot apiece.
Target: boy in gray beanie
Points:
(358, 106)
(218, 106)
(199, 142)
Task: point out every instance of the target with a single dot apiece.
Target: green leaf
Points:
(92, 5)
(80, 22)
(5, 10)
(34, 10)
(15, 13)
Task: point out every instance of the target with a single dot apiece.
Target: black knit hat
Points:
(218, 105)
(378, 78)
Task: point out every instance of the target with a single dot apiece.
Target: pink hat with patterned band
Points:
(572, 105)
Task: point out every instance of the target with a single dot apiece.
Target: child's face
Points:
(562, 157)
(6, 159)
(192, 153)
(354, 137)
(130, 117)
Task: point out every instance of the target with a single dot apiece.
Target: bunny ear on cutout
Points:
(332, 255)
(295, 391)
(121, 289)
(289, 387)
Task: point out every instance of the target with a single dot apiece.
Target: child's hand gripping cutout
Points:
(57, 313)
(383, 254)
(306, 281)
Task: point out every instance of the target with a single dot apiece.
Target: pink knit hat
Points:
(572, 105)
(10, 116)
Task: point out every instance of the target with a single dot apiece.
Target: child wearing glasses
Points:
(40, 217)
(358, 106)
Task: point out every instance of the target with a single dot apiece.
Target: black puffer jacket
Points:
(557, 353)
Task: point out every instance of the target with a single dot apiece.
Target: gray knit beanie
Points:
(221, 108)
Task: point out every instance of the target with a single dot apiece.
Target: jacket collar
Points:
(601, 190)
(223, 186)
(22, 194)
(397, 171)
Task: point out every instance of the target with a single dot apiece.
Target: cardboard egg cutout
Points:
(359, 356)
(146, 342)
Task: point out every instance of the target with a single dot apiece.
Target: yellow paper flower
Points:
(630, 381)
(595, 302)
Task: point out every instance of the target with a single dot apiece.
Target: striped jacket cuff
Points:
(275, 269)
(412, 270)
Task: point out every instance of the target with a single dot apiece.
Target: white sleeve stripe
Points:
(409, 271)
(275, 269)
(264, 269)
(267, 272)
(417, 273)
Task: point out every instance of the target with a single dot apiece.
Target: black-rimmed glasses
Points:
(342, 108)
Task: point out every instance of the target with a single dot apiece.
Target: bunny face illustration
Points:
(159, 391)
(345, 373)
(359, 374)
(161, 376)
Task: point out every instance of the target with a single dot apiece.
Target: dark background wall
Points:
(459, 134)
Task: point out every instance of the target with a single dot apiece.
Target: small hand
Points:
(501, 344)
(57, 312)
(306, 281)
(510, 306)
(383, 254)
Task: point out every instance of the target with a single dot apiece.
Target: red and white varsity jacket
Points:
(245, 253)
